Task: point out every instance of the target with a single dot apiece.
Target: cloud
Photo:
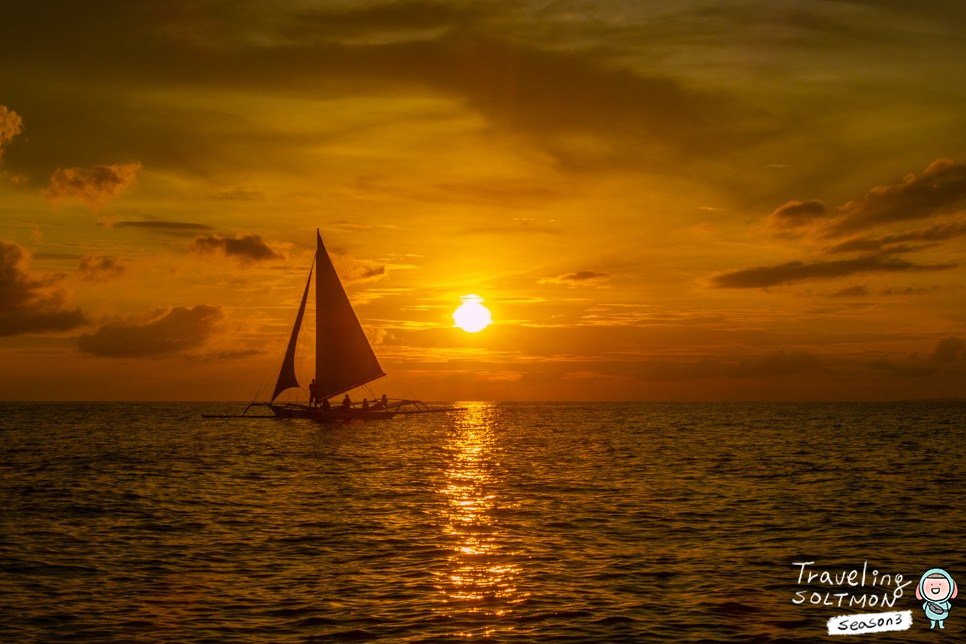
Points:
(172, 227)
(165, 333)
(92, 186)
(10, 126)
(27, 304)
(578, 278)
(791, 272)
(588, 106)
(940, 189)
(778, 364)
(247, 248)
(353, 270)
(583, 110)
(105, 267)
(795, 214)
(910, 290)
(856, 290)
(947, 357)
(937, 233)
(948, 350)
(362, 273)
(938, 192)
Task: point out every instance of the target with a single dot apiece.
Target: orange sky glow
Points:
(686, 200)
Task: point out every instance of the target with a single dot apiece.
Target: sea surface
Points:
(501, 522)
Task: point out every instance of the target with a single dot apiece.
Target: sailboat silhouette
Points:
(344, 359)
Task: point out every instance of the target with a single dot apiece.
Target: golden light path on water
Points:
(482, 568)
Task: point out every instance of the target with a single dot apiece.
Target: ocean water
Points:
(501, 522)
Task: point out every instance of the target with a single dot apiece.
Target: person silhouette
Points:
(313, 393)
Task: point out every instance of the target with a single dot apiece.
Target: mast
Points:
(343, 356)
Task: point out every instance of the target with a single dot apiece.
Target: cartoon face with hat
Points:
(936, 588)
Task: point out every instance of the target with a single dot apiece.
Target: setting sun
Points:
(472, 316)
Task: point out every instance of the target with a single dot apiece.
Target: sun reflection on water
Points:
(482, 568)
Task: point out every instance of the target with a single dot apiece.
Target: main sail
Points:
(343, 357)
(286, 376)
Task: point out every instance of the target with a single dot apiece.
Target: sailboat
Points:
(344, 359)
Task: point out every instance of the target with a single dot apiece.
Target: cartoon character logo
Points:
(936, 587)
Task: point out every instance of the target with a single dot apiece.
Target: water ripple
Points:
(568, 522)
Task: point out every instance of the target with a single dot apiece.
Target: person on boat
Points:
(365, 404)
(383, 402)
(346, 403)
(313, 393)
(325, 405)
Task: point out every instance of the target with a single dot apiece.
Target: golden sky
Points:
(692, 200)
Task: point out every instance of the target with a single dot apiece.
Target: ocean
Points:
(522, 522)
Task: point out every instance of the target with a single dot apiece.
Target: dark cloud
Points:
(579, 278)
(105, 267)
(791, 272)
(795, 214)
(168, 333)
(584, 110)
(28, 304)
(174, 226)
(246, 248)
(947, 357)
(857, 290)
(940, 189)
(862, 290)
(906, 369)
(910, 290)
(585, 106)
(362, 273)
(10, 126)
(92, 186)
(935, 234)
(948, 350)
(412, 18)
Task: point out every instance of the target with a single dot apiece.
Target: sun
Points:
(471, 316)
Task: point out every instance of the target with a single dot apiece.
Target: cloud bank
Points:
(948, 357)
(940, 189)
(792, 272)
(939, 193)
(28, 304)
(164, 334)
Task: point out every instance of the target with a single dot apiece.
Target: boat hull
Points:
(329, 415)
